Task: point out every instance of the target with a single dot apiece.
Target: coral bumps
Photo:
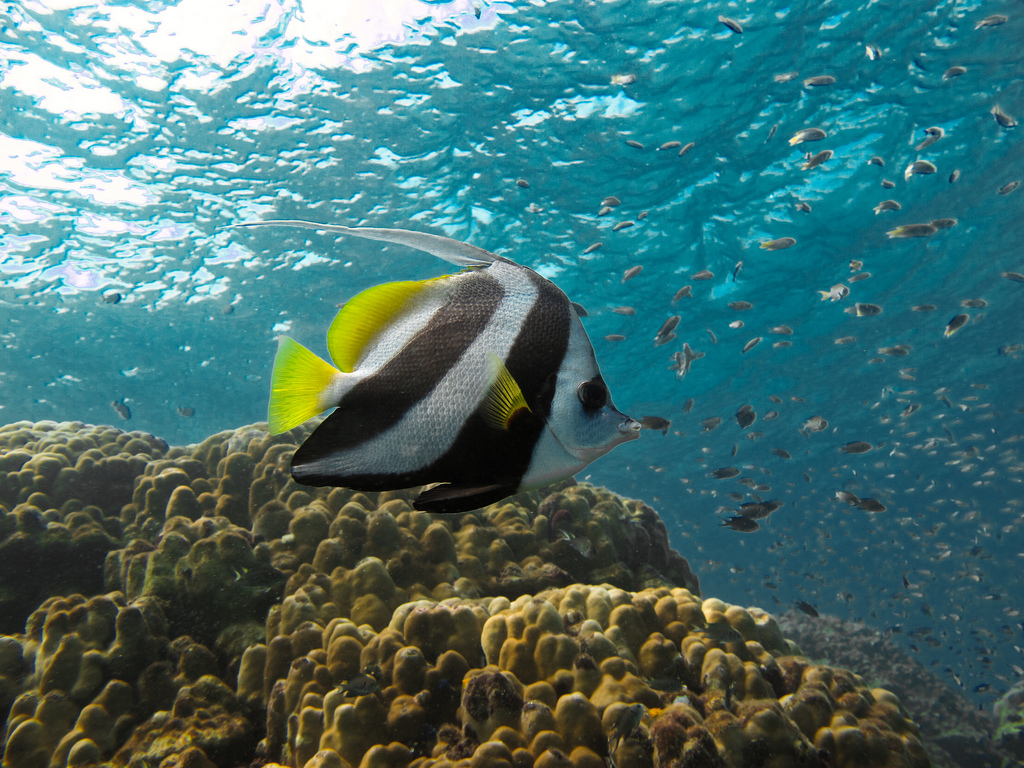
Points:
(232, 617)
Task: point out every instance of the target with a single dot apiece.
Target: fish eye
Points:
(593, 395)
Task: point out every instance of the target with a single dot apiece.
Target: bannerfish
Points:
(482, 382)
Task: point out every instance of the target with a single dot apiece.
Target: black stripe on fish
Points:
(484, 465)
(401, 382)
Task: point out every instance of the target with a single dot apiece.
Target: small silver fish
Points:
(991, 21)
(682, 360)
(814, 424)
(743, 525)
(913, 230)
(887, 205)
(121, 409)
(622, 225)
(623, 79)
(1002, 118)
(683, 293)
(731, 24)
(956, 324)
(952, 72)
(813, 161)
(778, 244)
(632, 272)
(581, 544)
(1008, 188)
(592, 248)
(666, 328)
(627, 721)
(751, 344)
(807, 134)
(670, 145)
(858, 446)
(360, 685)
(819, 80)
(918, 167)
(872, 52)
(934, 134)
(611, 201)
(835, 293)
(634, 144)
(704, 274)
(656, 423)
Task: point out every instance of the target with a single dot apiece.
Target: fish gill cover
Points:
(857, 367)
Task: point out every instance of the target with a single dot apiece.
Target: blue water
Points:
(133, 135)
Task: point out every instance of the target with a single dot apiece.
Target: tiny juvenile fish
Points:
(682, 360)
(779, 244)
(731, 24)
(441, 382)
(629, 718)
(835, 293)
(858, 446)
(991, 21)
(819, 80)
(918, 167)
(913, 230)
(952, 72)
(807, 608)
(741, 524)
(704, 274)
(682, 293)
(814, 424)
(745, 416)
(956, 324)
(887, 205)
(581, 544)
(662, 337)
(656, 423)
(934, 134)
(813, 161)
(360, 685)
(1002, 118)
(807, 134)
(1008, 188)
(632, 272)
(751, 344)
(121, 409)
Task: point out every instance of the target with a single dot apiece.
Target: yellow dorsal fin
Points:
(363, 316)
(504, 398)
(298, 388)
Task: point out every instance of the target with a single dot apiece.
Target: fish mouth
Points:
(629, 428)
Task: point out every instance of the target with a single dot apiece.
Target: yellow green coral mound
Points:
(233, 616)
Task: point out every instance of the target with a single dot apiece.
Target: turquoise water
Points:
(133, 135)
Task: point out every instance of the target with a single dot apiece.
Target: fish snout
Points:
(629, 428)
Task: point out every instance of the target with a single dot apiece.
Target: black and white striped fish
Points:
(483, 382)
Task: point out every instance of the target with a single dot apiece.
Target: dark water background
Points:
(133, 135)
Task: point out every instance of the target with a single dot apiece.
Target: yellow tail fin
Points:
(298, 389)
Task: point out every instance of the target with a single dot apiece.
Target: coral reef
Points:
(232, 616)
(955, 732)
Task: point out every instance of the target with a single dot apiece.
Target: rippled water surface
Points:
(134, 135)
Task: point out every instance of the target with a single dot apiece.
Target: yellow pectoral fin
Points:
(504, 398)
(363, 316)
(297, 387)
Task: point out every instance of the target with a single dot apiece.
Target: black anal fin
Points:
(452, 498)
